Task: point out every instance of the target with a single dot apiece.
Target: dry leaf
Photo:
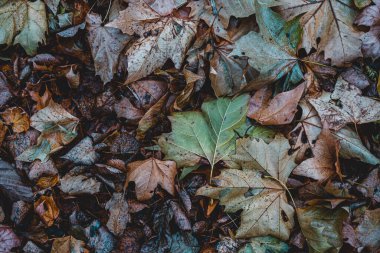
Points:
(149, 173)
(277, 111)
(119, 214)
(17, 118)
(68, 244)
(42, 101)
(83, 153)
(125, 109)
(8, 239)
(46, 209)
(74, 183)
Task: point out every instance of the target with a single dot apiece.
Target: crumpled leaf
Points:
(68, 244)
(370, 17)
(17, 118)
(119, 214)
(325, 162)
(106, 44)
(264, 245)
(346, 105)
(370, 186)
(57, 127)
(148, 174)
(322, 228)
(11, 182)
(46, 209)
(23, 22)
(369, 230)
(169, 38)
(74, 183)
(277, 111)
(8, 239)
(83, 153)
(208, 134)
(271, 52)
(328, 27)
(258, 188)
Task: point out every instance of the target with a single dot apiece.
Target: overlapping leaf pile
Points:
(189, 126)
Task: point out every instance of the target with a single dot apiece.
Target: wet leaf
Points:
(264, 245)
(83, 153)
(119, 214)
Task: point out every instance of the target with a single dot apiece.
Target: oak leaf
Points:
(150, 173)
(258, 189)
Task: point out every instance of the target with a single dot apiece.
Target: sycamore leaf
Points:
(106, 44)
(277, 111)
(325, 162)
(257, 189)
(150, 173)
(369, 230)
(271, 52)
(208, 134)
(68, 244)
(322, 228)
(119, 213)
(23, 22)
(346, 105)
(8, 239)
(328, 26)
(264, 245)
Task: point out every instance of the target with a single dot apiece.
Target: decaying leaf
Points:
(106, 45)
(258, 189)
(322, 228)
(68, 244)
(277, 111)
(46, 209)
(328, 26)
(8, 239)
(208, 134)
(369, 230)
(346, 105)
(325, 162)
(83, 153)
(119, 214)
(150, 173)
(271, 52)
(125, 109)
(17, 118)
(264, 245)
(74, 183)
(23, 22)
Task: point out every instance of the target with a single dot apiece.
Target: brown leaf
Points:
(42, 101)
(68, 244)
(17, 118)
(8, 239)
(38, 168)
(278, 111)
(369, 230)
(46, 209)
(5, 94)
(125, 109)
(325, 162)
(370, 186)
(148, 92)
(119, 214)
(149, 173)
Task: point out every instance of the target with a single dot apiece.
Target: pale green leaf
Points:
(265, 244)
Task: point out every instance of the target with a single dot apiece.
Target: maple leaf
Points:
(208, 134)
(23, 22)
(277, 111)
(165, 38)
(346, 105)
(328, 27)
(258, 189)
(106, 44)
(149, 173)
(271, 52)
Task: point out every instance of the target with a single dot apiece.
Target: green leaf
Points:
(272, 52)
(187, 170)
(208, 134)
(266, 244)
(322, 228)
(23, 22)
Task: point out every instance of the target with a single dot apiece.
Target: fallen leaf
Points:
(46, 209)
(264, 245)
(83, 153)
(8, 239)
(17, 118)
(125, 109)
(106, 44)
(208, 134)
(5, 94)
(277, 111)
(3, 131)
(271, 52)
(53, 5)
(47, 181)
(42, 101)
(150, 173)
(38, 168)
(369, 230)
(68, 244)
(346, 105)
(73, 78)
(99, 238)
(23, 22)
(370, 186)
(148, 92)
(356, 77)
(257, 189)
(322, 228)
(74, 183)
(119, 214)
(11, 182)
(325, 162)
(328, 26)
